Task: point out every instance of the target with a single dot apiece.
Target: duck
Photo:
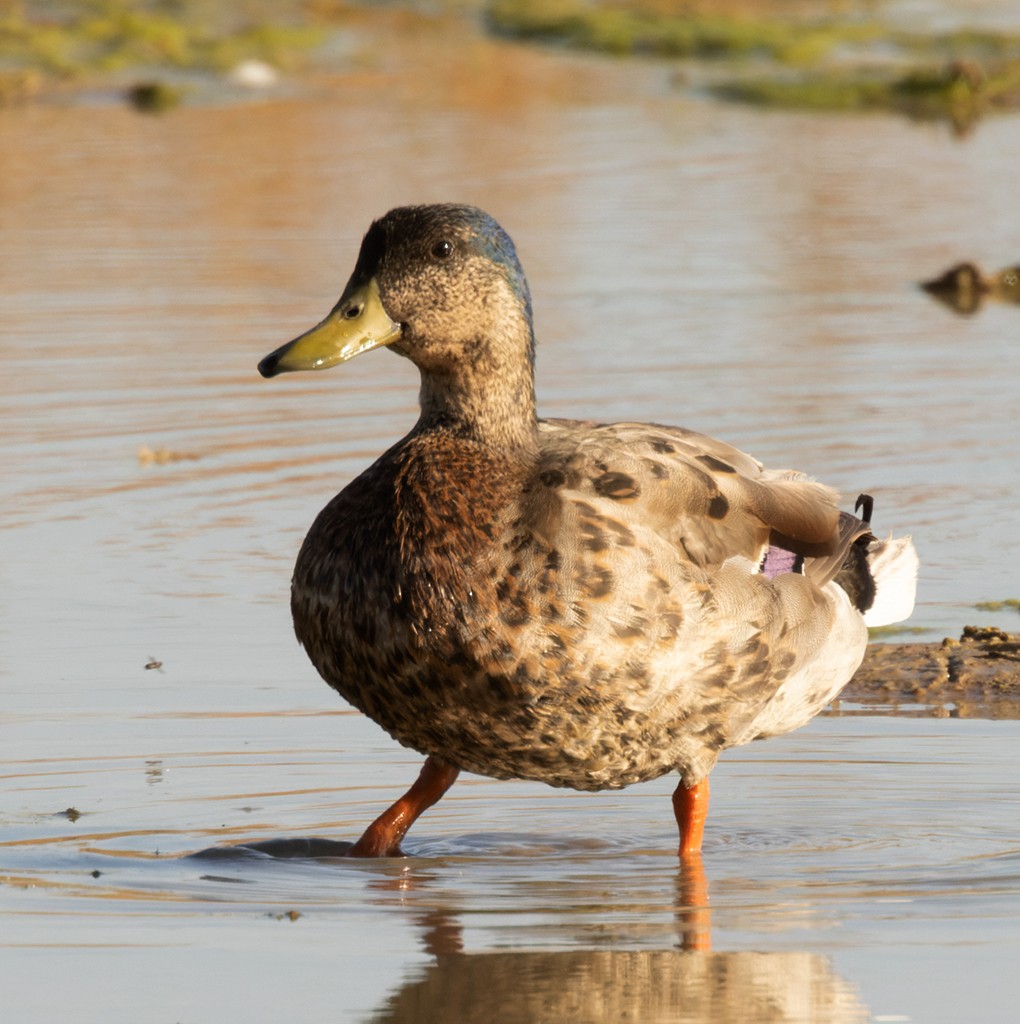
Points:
(964, 287)
(586, 604)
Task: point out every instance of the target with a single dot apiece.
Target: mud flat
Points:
(975, 676)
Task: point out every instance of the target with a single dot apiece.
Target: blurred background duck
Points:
(585, 604)
(963, 287)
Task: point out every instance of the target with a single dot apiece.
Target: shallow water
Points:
(860, 869)
(746, 274)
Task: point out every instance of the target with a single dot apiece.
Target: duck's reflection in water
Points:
(682, 986)
(687, 984)
(643, 986)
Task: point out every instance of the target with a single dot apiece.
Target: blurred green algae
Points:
(47, 43)
(835, 57)
(831, 56)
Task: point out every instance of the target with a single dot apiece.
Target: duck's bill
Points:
(357, 324)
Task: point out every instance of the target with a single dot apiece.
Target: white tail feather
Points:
(893, 564)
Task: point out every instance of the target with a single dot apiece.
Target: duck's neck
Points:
(483, 396)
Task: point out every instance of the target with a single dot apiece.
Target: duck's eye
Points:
(442, 250)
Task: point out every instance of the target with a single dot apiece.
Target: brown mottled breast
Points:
(397, 594)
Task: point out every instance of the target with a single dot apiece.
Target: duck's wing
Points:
(709, 500)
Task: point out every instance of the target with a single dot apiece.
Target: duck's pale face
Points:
(458, 294)
(440, 285)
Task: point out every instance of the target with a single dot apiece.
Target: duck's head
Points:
(439, 284)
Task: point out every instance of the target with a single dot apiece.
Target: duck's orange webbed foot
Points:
(383, 837)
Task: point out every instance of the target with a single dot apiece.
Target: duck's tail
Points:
(879, 576)
(893, 565)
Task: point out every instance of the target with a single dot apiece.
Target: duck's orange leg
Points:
(690, 805)
(382, 838)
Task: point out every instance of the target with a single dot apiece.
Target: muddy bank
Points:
(977, 676)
